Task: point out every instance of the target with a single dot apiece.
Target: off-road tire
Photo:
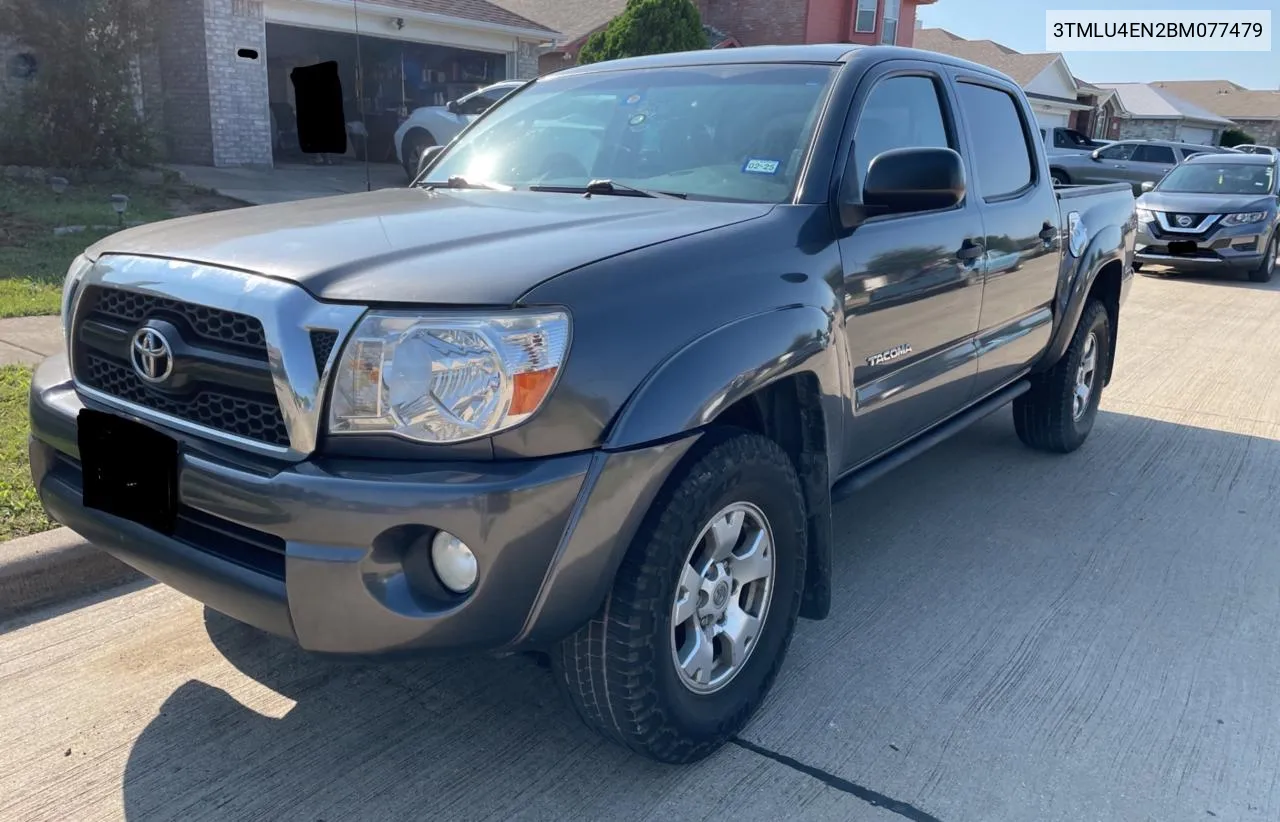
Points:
(1262, 274)
(1044, 416)
(618, 672)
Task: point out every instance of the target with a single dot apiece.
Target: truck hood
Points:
(1204, 203)
(472, 247)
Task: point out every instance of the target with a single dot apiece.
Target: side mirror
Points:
(454, 107)
(1096, 154)
(906, 181)
(428, 156)
(1147, 186)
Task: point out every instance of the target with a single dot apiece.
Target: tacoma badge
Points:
(890, 355)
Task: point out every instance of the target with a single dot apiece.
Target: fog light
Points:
(454, 562)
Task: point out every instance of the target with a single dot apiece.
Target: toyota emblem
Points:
(152, 356)
(1184, 220)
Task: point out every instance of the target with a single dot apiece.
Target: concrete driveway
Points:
(1017, 637)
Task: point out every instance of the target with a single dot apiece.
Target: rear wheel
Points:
(1058, 412)
(1262, 274)
(1060, 177)
(701, 613)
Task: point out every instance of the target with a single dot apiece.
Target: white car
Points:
(436, 125)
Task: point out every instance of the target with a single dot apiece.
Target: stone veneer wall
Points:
(1132, 129)
(1266, 132)
(184, 71)
(215, 102)
(526, 60)
(240, 117)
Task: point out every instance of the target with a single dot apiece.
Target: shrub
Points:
(80, 108)
(647, 27)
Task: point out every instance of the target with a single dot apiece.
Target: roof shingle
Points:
(1145, 101)
(572, 18)
(480, 11)
(1226, 98)
(1021, 68)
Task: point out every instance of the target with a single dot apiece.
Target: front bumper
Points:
(334, 554)
(1230, 247)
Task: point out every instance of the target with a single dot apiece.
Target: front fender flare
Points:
(691, 388)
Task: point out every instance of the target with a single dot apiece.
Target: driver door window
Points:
(901, 112)
(1118, 152)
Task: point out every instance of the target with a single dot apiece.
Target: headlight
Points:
(1244, 218)
(71, 284)
(446, 378)
(1145, 216)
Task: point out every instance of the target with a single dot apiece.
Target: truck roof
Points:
(810, 53)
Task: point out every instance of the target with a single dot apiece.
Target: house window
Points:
(866, 19)
(889, 32)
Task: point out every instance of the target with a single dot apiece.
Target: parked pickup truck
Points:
(593, 402)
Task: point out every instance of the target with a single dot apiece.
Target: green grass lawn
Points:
(33, 260)
(20, 509)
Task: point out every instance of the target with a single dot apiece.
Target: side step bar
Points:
(862, 477)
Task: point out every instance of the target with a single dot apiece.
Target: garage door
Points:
(1200, 136)
(1048, 119)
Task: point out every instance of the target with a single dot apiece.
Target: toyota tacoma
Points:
(589, 386)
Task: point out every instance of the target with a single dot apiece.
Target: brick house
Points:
(218, 88)
(1254, 112)
(1146, 112)
(731, 23)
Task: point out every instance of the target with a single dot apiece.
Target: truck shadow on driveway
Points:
(1015, 636)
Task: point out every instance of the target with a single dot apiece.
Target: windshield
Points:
(706, 132)
(1222, 178)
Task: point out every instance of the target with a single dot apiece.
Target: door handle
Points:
(969, 251)
(1049, 233)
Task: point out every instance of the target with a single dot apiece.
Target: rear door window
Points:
(1155, 154)
(1002, 157)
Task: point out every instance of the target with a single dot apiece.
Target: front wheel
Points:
(1262, 274)
(1060, 178)
(1058, 412)
(411, 152)
(695, 628)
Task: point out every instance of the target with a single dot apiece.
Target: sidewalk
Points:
(28, 340)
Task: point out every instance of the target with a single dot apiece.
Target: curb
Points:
(52, 567)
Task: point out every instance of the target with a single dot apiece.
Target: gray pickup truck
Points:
(589, 386)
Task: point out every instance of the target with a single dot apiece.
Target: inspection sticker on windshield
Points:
(756, 165)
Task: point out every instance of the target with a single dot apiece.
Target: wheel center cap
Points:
(721, 595)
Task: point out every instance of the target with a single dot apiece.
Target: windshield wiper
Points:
(609, 187)
(456, 181)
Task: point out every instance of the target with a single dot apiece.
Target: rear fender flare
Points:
(1104, 248)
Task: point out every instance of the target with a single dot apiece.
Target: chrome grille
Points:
(220, 381)
(212, 324)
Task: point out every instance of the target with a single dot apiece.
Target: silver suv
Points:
(1128, 161)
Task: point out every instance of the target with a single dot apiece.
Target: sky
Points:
(1024, 30)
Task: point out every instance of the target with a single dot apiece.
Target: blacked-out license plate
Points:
(130, 470)
(1183, 247)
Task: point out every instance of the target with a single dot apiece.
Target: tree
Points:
(647, 27)
(79, 108)
(1236, 137)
